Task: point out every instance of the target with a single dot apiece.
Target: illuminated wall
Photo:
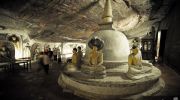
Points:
(65, 49)
(68, 47)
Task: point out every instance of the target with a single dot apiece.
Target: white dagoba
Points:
(116, 47)
(115, 85)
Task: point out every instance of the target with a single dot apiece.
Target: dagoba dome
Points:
(116, 45)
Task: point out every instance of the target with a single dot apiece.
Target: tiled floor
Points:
(33, 85)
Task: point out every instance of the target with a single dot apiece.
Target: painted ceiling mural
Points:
(76, 20)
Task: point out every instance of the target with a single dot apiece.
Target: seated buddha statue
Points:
(95, 57)
(135, 58)
(136, 70)
(94, 62)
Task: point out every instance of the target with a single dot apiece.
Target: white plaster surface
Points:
(116, 45)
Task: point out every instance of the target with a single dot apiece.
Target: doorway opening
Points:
(161, 39)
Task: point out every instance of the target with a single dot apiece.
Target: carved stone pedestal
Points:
(116, 85)
(94, 72)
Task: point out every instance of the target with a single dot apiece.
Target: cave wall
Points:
(172, 44)
(10, 50)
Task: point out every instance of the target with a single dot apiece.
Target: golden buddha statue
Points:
(135, 58)
(95, 57)
(93, 65)
(136, 70)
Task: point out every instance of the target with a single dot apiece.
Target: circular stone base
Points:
(95, 72)
(113, 87)
(70, 68)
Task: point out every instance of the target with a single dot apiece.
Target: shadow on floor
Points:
(33, 85)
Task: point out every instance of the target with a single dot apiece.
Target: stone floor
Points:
(33, 85)
(172, 80)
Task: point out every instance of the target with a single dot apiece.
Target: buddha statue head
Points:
(96, 44)
(134, 51)
(136, 42)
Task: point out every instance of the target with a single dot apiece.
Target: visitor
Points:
(46, 50)
(55, 54)
(74, 57)
(59, 55)
(72, 66)
(40, 61)
(79, 57)
(46, 62)
(50, 54)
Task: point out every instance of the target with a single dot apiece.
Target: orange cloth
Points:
(74, 58)
(134, 58)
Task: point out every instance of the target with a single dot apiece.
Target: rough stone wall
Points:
(10, 48)
(172, 44)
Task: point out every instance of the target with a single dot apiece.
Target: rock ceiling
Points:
(73, 20)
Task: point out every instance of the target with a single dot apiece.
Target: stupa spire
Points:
(107, 14)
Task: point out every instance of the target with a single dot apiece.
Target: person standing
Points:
(74, 57)
(50, 54)
(59, 55)
(79, 56)
(55, 54)
(40, 61)
(73, 65)
(46, 62)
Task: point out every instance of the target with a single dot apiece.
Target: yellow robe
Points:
(74, 59)
(95, 58)
(135, 57)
